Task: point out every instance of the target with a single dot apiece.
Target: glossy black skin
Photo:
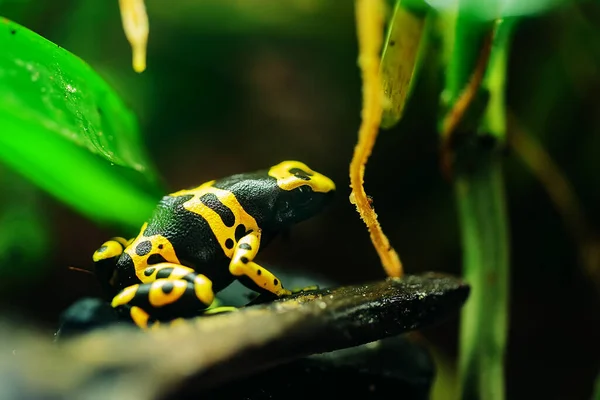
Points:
(274, 209)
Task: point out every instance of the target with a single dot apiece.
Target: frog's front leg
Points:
(243, 267)
(105, 262)
(167, 292)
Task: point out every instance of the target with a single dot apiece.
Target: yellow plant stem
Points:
(135, 25)
(370, 24)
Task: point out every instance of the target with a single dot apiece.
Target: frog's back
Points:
(200, 227)
(176, 235)
(190, 234)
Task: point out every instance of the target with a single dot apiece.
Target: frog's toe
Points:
(305, 289)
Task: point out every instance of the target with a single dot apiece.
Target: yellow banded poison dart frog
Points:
(198, 241)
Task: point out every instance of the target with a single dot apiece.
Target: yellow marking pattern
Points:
(112, 249)
(179, 271)
(203, 289)
(202, 285)
(222, 309)
(121, 240)
(125, 296)
(288, 181)
(262, 277)
(158, 298)
(219, 229)
(141, 262)
(139, 316)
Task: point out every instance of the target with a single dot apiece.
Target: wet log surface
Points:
(124, 362)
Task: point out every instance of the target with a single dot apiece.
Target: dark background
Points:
(233, 86)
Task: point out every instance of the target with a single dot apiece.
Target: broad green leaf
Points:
(44, 81)
(399, 61)
(65, 129)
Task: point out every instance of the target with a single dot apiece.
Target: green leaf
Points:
(479, 190)
(494, 118)
(479, 187)
(400, 61)
(484, 319)
(65, 129)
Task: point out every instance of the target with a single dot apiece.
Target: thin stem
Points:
(484, 231)
(459, 108)
(485, 239)
(370, 24)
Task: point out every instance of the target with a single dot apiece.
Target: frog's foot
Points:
(165, 299)
(305, 289)
(220, 310)
(243, 266)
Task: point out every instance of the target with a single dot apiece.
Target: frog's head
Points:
(301, 192)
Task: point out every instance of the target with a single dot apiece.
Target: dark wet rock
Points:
(332, 319)
(238, 295)
(124, 362)
(88, 314)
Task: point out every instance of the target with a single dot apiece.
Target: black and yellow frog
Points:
(198, 241)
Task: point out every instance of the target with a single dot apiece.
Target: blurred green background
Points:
(233, 86)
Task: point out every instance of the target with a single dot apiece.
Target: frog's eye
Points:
(300, 174)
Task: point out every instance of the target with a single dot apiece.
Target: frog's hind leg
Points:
(167, 292)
